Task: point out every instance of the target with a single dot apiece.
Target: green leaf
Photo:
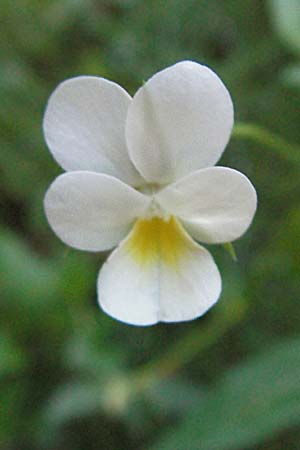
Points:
(252, 402)
(231, 250)
(291, 76)
(71, 401)
(174, 396)
(11, 412)
(74, 400)
(285, 15)
(27, 279)
(12, 357)
(79, 399)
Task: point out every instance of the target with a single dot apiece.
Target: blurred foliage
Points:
(71, 377)
(252, 401)
(285, 16)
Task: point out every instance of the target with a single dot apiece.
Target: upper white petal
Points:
(84, 127)
(178, 122)
(92, 211)
(142, 286)
(215, 205)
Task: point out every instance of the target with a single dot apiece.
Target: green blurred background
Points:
(73, 378)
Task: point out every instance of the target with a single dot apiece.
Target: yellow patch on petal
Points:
(156, 239)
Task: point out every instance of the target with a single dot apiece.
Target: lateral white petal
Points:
(92, 211)
(178, 122)
(158, 273)
(84, 127)
(215, 205)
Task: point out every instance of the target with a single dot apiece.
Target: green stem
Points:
(184, 350)
(266, 139)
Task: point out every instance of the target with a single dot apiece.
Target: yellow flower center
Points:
(155, 240)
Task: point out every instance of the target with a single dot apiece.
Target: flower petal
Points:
(215, 205)
(92, 211)
(158, 273)
(178, 122)
(84, 127)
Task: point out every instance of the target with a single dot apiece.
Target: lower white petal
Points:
(158, 273)
(92, 211)
(215, 205)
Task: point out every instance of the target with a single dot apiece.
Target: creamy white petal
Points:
(158, 273)
(178, 122)
(84, 127)
(92, 211)
(215, 205)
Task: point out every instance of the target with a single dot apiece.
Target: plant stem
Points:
(266, 139)
(195, 341)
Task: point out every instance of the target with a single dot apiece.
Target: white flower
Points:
(140, 177)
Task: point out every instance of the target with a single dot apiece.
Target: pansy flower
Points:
(140, 177)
